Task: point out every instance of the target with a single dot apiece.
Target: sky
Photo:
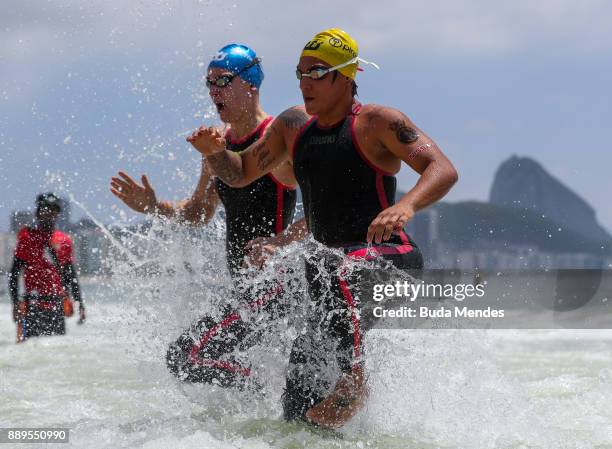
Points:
(89, 88)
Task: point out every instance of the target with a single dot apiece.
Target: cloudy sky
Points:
(87, 88)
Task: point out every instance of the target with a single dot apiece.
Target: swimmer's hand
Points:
(140, 198)
(207, 141)
(260, 250)
(390, 220)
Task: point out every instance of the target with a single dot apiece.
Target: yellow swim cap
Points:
(334, 46)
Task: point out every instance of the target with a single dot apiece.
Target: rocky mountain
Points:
(522, 183)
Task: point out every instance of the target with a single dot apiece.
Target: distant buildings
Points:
(90, 248)
(7, 246)
(489, 254)
(21, 218)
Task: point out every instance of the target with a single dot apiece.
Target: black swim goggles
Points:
(225, 80)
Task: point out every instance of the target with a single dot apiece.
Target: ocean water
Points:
(107, 382)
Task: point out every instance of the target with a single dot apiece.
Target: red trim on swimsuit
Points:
(299, 134)
(227, 321)
(280, 183)
(362, 154)
(350, 301)
(259, 129)
(374, 251)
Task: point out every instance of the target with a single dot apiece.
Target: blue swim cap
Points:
(235, 57)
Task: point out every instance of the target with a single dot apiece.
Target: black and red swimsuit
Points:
(205, 351)
(263, 208)
(343, 193)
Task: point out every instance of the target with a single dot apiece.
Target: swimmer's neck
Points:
(337, 113)
(247, 123)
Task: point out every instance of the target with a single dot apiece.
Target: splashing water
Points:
(107, 380)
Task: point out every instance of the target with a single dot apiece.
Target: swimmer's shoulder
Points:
(376, 113)
(293, 118)
(378, 117)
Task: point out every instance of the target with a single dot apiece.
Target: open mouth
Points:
(219, 106)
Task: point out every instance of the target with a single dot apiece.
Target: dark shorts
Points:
(341, 290)
(45, 316)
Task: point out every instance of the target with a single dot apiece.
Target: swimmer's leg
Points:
(203, 353)
(348, 328)
(308, 377)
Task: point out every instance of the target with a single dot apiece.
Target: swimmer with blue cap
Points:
(253, 213)
(234, 78)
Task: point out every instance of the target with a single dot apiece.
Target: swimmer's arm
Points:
(142, 198)
(201, 207)
(294, 232)
(262, 248)
(70, 281)
(13, 278)
(402, 138)
(239, 170)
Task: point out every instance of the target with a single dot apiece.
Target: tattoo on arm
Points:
(403, 132)
(293, 118)
(419, 150)
(262, 153)
(225, 168)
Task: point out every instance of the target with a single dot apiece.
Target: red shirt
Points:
(40, 275)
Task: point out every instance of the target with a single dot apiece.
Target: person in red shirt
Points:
(44, 255)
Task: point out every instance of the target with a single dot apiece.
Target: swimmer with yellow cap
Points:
(345, 157)
(330, 51)
(336, 48)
